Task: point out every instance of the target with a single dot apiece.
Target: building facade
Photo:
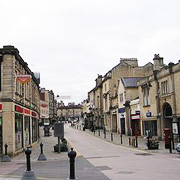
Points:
(19, 102)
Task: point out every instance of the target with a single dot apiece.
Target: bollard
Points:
(148, 142)
(111, 136)
(170, 147)
(72, 155)
(136, 141)
(99, 132)
(121, 138)
(28, 173)
(129, 141)
(42, 157)
(6, 157)
(104, 134)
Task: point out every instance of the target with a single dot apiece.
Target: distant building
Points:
(71, 110)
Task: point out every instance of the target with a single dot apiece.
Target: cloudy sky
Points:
(70, 42)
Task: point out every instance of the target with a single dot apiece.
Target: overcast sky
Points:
(70, 42)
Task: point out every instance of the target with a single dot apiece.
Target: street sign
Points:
(58, 129)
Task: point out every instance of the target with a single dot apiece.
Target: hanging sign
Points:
(24, 78)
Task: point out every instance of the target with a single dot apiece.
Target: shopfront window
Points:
(18, 131)
(34, 130)
(1, 142)
(150, 126)
(27, 130)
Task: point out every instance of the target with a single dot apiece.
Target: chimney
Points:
(158, 62)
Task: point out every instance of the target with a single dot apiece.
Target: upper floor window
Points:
(164, 87)
(146, 99)
(121, 97)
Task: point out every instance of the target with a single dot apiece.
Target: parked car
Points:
(178, 148)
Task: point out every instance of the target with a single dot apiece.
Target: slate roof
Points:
(130, 81)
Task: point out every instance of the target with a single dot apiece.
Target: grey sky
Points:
(70, 42)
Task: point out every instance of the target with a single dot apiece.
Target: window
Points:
(164, 87)
(146, 99)
(121, 97)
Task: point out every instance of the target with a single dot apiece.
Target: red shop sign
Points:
(33, 114)
(26, 111)
(18, 109)
(0, 106)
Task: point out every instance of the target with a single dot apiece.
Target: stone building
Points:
(159, 96)
(128, 91)
(72, 110)
(19, 102)
(128, 67)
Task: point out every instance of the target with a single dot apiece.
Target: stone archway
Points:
(167, 113)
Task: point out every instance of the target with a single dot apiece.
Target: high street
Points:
(96, 159)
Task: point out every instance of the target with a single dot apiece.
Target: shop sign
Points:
(0, 106)
(33, 114)
(135, 116)
(26, 111)
(24, 78)
(137, 112)
(122, 115)
(175, 128)
(18, 109)
(121, 110)
(148, 114)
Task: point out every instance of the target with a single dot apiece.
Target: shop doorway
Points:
(135, 125)
(167, 116)
(122, 125)
(1, 140)
(114, 123)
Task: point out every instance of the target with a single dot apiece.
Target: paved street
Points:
(96, 160)
(124, 163)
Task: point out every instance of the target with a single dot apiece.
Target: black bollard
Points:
(72, 155)
(148, 142)
(28, 158)
(6, 157)
(5, 148)
(105, 134)
(99, 132)
(28, 173)
(121, 139)
(42, 157)
(170, 146)
(129, 141)
(111, 136)
(136, 141)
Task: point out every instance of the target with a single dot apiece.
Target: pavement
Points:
(57, 164)
(56, 167)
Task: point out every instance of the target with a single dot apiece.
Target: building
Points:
(44, 106)
(70, 111)
(128, 67)
(159, 96)
(19, 102)
(128, 91)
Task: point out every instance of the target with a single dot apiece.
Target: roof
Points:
(130, 81)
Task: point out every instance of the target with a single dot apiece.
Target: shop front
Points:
(18, 131)
(121, 112)
(149, 127)
(35, 129)
(135, 125)
(1, 137)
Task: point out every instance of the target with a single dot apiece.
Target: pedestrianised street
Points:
(97, 159)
